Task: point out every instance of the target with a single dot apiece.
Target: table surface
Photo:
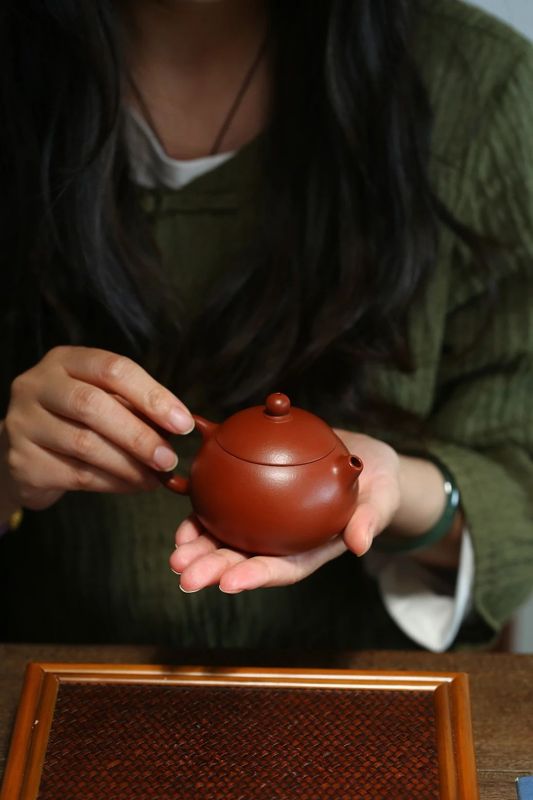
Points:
(501, 688)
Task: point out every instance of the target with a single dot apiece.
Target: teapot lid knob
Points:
(277, 405)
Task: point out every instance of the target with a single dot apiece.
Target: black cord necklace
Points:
(219, 138)
(252, 69)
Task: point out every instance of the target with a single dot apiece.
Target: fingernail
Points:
(188, 591)
(230, 591)
(165, 458)
(181, 421)
(368, 541)
(175, 571)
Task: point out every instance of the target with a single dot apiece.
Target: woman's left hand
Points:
(203, 561)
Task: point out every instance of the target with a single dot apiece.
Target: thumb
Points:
(361, 529)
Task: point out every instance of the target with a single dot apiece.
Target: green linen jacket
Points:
(95, 568)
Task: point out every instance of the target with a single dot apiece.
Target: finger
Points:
(116, 373)
(189, 530)
(269, 571)
(208, 570)
(361, 529)
(139, 414)
(93, 408)
(187, 553)
(48, 471)
(70, 438)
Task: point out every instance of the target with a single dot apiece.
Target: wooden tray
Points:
(99, 731)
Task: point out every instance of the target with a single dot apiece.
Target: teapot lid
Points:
(276, 434)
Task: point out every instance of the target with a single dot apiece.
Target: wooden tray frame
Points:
(457, 770)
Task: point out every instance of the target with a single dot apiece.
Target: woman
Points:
(331, 200)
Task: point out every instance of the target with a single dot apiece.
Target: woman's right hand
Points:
(76, 421)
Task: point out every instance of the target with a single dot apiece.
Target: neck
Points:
(190, 34)
(187, 61)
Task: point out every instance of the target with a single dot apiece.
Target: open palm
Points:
(203, 561)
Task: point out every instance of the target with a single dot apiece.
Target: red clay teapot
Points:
(271, 479)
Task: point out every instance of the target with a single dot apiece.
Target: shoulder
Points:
(479, 76)
(472, 65)
(464, 34)
(467, 20)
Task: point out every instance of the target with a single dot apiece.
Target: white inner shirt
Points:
(151, 167)
(427, 609)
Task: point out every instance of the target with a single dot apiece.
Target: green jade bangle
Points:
(388, 543)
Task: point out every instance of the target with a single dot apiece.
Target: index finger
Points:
(121, 375)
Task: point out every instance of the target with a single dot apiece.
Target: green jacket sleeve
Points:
(482, 423)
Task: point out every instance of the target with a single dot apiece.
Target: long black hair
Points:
(351, 219)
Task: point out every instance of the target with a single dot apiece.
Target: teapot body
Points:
(273, 509)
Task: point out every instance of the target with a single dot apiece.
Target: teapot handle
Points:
(177, 483)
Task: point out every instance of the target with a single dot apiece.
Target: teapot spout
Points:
(355, 467)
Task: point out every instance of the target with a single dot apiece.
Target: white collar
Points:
(151, 167)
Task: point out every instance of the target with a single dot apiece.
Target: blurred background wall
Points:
(518, 13)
